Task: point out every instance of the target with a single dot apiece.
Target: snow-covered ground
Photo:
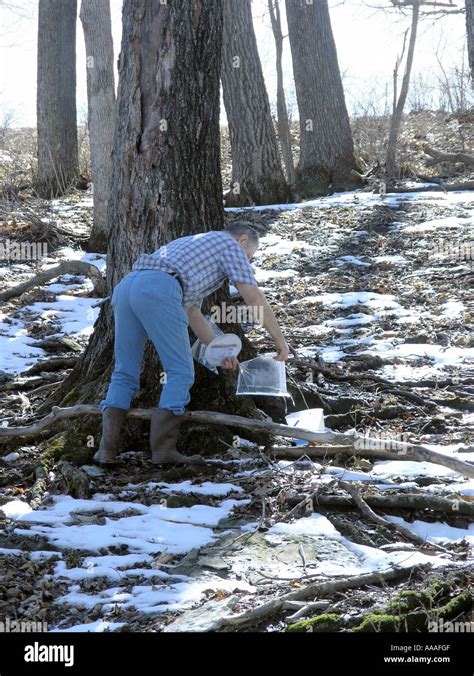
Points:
(141, 536)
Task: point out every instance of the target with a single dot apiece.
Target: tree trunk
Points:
(282, 111)
(96, 23)
(391, 157)
(257, 174)
(56, 97)
(470, 36)
(326, 148)
(166, 179)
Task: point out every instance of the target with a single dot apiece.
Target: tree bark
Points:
(327, 161)
(166, 179)
(97, 26)
(470, 36)
(284, 135)
(257, 174)
(391, 160)
(56, 97)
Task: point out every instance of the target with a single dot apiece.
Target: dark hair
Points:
(239, 228)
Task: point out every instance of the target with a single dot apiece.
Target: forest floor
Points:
(369, 286)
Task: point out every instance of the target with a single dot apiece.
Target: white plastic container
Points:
(222, 346)
(262, 376)
(311, 419)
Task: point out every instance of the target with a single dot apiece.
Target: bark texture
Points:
(56, 97)
(97, 27)
(327, 159)
(470, 36)
(284, 134)
(257, 174)
(166, 179)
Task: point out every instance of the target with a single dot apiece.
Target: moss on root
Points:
(411, 610)
(76, 445)
(325, 622)
(380, 622)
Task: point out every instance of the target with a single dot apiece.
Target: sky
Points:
(368, 40)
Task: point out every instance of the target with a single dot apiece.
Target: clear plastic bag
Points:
(262, 376)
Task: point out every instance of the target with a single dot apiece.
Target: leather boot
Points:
(112, 422)
(164, 432)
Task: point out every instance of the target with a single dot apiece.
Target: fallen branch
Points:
(410, 501)
(53, 364)
(365, 447)
(404, 451)
(33, 382)
(64, 268)
(369, 513)
(357, 377)
(313, 591)
(437, 157)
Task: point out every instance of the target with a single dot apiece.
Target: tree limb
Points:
(404, 451)
(64, 268)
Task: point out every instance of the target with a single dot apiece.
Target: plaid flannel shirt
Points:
(203, 262)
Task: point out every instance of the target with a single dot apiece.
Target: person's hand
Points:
(230, 363)
(282, 350)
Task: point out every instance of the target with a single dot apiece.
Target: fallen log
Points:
(438, 156)
(402, 501)
(404, 450)
(64, 268)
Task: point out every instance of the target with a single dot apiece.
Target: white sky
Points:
(368, 41)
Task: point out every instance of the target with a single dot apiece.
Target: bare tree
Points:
(97, 27)
(470, 35)
(327, 159)
(284, 135)
(257, 174)
(399, 104)
(56, 96)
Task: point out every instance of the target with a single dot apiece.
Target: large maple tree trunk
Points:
(166, 179)
(58, 165)
(97, 26)
(257, 173)
(327, 161)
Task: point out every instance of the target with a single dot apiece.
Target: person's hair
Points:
(239, 228)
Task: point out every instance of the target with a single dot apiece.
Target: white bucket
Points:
(311, 419)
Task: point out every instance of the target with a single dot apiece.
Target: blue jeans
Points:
(148, 304)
